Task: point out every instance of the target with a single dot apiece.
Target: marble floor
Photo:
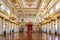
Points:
(29, 36)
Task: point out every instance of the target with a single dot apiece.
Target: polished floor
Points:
(29, 36)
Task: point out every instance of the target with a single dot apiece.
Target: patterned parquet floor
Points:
(29, 36)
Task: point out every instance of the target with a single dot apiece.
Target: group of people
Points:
(10, 32)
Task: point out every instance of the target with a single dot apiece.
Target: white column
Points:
(10, 26)
(19, 27)
(37, 28)
(47, 28)
(1, 25)
(25, 28)
(52, 26)
(4, 28)
(44, 27)
(48, 25)
(57, 25)
(7, 27)
(33, 28)
(15, 28)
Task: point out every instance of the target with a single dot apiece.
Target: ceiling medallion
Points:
(30, 1)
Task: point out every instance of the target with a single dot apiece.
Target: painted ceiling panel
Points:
(29, 4)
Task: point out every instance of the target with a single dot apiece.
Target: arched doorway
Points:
(29, 26)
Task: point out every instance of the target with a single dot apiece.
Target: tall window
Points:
(2, 7)
(51, 11)
(57, 5)
(5, 8)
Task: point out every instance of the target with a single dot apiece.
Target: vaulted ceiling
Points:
(29, 8)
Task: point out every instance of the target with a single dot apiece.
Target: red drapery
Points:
(29, 27)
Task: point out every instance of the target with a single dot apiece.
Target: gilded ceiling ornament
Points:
(34, 14)
(0, 4)
(13, 1)
(29, 5)
(30, 1)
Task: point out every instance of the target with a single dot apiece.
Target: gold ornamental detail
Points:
(30, 1)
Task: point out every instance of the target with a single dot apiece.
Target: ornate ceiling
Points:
(30, 3)
(28, 7)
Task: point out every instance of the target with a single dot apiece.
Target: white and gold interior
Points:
(44, 14)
